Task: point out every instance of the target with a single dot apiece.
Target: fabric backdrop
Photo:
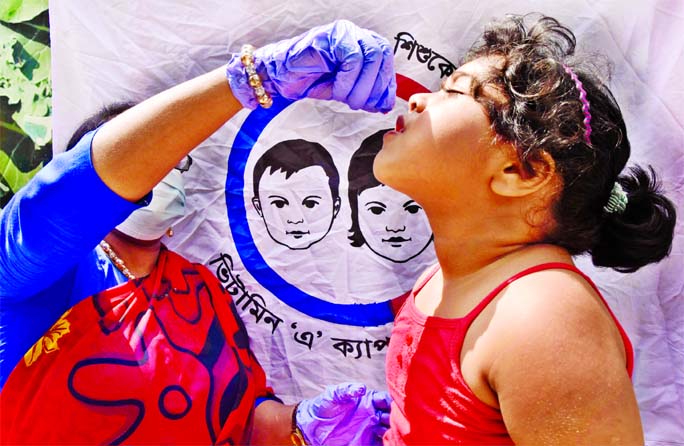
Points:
(317, 308)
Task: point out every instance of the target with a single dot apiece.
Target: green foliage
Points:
(25, 93)
(17, 11)
(14, 177)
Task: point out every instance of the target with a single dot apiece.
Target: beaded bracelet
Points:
(247, 59)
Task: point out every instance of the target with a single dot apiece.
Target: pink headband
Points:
(585, 103)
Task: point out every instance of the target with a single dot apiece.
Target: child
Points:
(518, 163)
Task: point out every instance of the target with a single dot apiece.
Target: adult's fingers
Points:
(373, 58)
(346, 392)
(381, 400)
(384, 419)
(347, 52)
(383, 94)
(379, 430)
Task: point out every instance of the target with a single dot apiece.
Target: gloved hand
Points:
(345, 415)
(338, 61)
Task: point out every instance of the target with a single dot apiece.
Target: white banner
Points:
(313, 268)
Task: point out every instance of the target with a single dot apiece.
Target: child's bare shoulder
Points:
(559, 358)
(551, 314)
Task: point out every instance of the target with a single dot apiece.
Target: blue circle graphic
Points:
(362, 315)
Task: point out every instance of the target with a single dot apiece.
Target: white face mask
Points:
(166, 208)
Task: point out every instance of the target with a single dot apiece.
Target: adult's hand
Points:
(345, 415)
(339, 61)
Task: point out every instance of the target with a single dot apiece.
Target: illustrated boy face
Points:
(298, 211)
(393, 225)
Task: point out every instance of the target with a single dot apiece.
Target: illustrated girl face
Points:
(298, 210)
(393, 225)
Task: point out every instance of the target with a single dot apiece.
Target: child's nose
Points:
(417, 102)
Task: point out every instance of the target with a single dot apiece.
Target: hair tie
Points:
(585, 103)
(617, 202)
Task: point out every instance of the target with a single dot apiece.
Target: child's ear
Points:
(512, 179)
(336, 206)
(257, 206)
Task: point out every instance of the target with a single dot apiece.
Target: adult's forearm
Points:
(139, 147)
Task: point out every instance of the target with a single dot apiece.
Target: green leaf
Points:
(25, 93)
(11, 78)
(25, 81)
(16, 11)
(31, 56)
(25, 154)
(15, 178)
(38, 128)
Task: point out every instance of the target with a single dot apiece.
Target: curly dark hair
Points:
(542, 112)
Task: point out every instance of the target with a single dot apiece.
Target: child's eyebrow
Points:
(379, 203)
(455, 77)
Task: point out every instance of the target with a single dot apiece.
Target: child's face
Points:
(298, 211)
(393, 225)
(437, 147)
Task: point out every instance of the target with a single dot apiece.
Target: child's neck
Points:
(497, 260)
(465, 246)
(460, 257)
(460, 288)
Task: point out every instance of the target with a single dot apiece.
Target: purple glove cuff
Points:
(238, 80)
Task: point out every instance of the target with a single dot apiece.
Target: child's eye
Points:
(449, 90)
(309, 203)
(376, 210)
(279, 203)
(413, 209)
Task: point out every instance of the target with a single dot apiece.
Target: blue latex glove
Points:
(345, 415)
(338, 61)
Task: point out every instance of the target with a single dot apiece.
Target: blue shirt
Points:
(49, 254)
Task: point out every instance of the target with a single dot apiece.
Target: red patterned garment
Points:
(164, 359)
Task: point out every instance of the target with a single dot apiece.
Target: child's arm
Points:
(560, 369)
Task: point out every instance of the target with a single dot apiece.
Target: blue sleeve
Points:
(54, 221)
(261, 399)
(23, 322)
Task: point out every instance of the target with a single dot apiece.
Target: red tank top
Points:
(432, 404)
